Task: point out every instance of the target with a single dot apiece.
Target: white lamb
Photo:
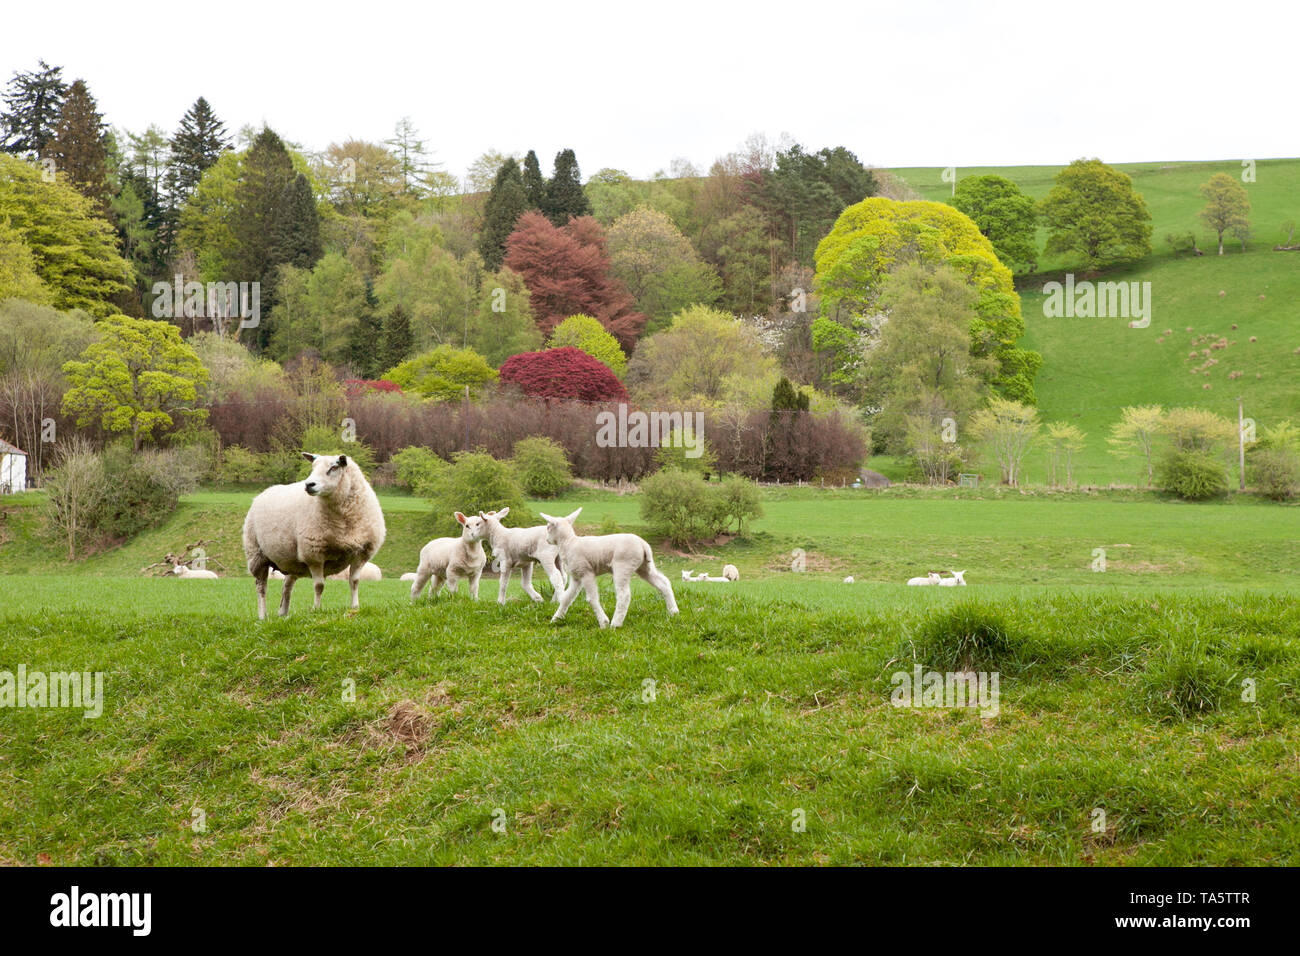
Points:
(586, 557)
(450, 559)
(369, 572)
(957, 580)
(409, 576)
(519, 548)
(315, 527)
(929, 579)
(849, 579)
(188, 574)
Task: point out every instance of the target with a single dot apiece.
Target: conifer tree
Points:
(198, 143)
(565, 198)
(297, 226)
(505, 203)
(534, 181)
(79, 149)
(32, 105)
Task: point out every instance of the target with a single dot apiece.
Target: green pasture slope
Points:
(700, 739)
(1094, 367)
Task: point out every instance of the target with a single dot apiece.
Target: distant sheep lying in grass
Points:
(181, 571)
(409, 576)
(450, 559)
(519, 548)
(957, 580)
(929, 579)
(586, 557)
(369, 572)
(729, 573)
(315, 527)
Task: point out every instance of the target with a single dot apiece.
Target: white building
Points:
(13, 468)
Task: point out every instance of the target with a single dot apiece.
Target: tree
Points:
(321, 309)
(396, 337)
(254, 222)
(871, 237)
(586, 333)
(72, 249)
(1063, 440)
(563, 373)
(1009, 428)
(1004, 214)
(567, 272)
(18, 276)
(32, 106)
(73, 492)
(297, 239)
(78, 148)
(196, 145)
(534, 182)
(443, 373)
(436, 291)
(1227, 208)
(805, 192)
(659, 266)
(786, 398)
(505, 204)
(695, 357)
(565, 198)
(1094, 211)
(137, 377)
(482, 173)
(503, 325)
(1138, 430)
(412, 155)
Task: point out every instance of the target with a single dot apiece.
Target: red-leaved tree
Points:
(563, 373)
(567, 273)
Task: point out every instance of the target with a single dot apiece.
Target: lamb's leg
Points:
(318, 579)
(593, 598)
(285, 592)
(553, 575)
(660, 582)
(526, 579)
(504, 581)
(622, 595)
(453, 581)
(259, 577)
(566, 599)
(421, 579)
(473, 583)
(354, 579)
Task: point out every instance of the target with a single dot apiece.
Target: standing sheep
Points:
(450, 559)
(520, 547)
(315, 527)
(585, 558)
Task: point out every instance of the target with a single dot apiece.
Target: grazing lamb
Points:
(369, 572)
(519, 548)
(929, 579)
(957, 580)
(586, 557)
(315, 527)
(190, 574)
(450, 559)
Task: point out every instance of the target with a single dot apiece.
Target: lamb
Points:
(409, 576)
(957, 580)
(315, 527)
(189, 574)
(587, 557)
(849, 579)
(450, 559)
(929, 579)
(731, 572)
(369, 572)
(520, 547)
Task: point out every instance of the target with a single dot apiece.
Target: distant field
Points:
(1094, 367)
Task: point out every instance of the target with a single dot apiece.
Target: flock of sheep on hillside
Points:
(330, 526)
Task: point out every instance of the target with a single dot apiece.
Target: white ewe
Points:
(450, 559)
(586, 557)
(957, 580)
(369, 572)
(519, 548)
(731, 572)
(315, 527)
(190, 574)
(929, 579)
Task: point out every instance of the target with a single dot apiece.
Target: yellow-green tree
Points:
(1137, 431)
(1227, 207)
(586, 334)
(137, 378)
(1010, 430)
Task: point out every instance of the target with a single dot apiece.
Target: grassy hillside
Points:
(1094, 367)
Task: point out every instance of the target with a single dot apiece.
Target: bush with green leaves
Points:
(682, 507)
(587, 334)
(418, 469)
(239, 466)
(442, 374)
(135, 497)
(474, 482)
(674, 453)
(542, 466)
(319, 440)
(1192, 475)
(1275, 473)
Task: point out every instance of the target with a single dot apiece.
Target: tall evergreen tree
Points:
(79, 149)
(198, 143)
(397, 338)
(507, 201)
(297, 226)
(32, 105)
(565, 198)
(254, 221)
(534, 181)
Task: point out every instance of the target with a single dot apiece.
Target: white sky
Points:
(633, 85)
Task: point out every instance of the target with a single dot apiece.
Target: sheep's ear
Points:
(309, 456)
(343, 461)
(502, 513)
(460, 517)
(545, 517)
(573, 517)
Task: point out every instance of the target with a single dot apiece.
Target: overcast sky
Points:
(634, 85)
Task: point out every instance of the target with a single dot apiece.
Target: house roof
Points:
(8, 449)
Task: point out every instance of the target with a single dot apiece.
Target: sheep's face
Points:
(553, 525)
(326, 473)
(475, 527)
(179, 569)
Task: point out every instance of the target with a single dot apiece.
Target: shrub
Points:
(682, 507)
(742, 500)
(587, 334)
(542, 467)
(134, 499)
(474, 482)
(1276, 473)
(442, 373)
(563, 373)
(970, 636)
(239, 466)
(418, 469)
(672, 453)
(1181, 680)
(327, 441)
(1192, 475)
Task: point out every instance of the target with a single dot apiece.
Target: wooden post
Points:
(1241, 447)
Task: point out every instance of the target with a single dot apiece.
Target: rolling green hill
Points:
(1093, 367)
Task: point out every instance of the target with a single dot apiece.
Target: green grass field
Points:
(485, 735)
(1093, 367)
